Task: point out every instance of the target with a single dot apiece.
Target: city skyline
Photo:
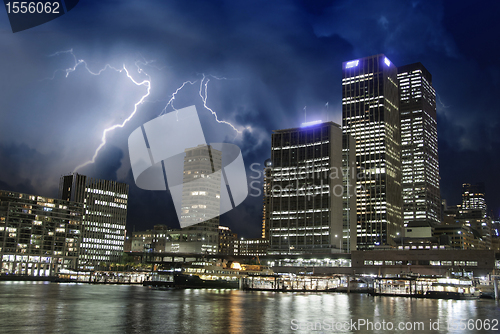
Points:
(280, 60)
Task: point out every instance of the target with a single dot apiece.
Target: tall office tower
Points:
(39, 236)
(201, 197)
(104, 217)
(306, 192)
(370, 114)
(473, 197)
(419, 146)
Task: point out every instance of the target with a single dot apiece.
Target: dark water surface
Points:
(38, 307)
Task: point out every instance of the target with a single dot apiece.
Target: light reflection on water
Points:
(82, 308)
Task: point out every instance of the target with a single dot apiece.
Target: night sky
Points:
(265, 61)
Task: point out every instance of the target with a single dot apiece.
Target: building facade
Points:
(104, 217)
(305, 191)
(201, 198)
(473, 197)
(251, 247)
(162, 239)
(370, 114)
(227, 241)
(419, 145)
(39, 236)
(266, 198)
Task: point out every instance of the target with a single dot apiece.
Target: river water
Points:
(39, 307)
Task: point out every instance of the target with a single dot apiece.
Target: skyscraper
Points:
(201, 197)
(370, 114)
(104, 217)
(419, 146)
(306, 192)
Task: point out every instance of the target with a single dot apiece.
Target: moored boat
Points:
(216, 275)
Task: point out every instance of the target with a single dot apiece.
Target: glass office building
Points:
(104, 217)
(419, 146)
(370, 114)
(305, 191)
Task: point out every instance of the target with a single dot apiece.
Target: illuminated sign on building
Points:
(311, 123)
(352, 63)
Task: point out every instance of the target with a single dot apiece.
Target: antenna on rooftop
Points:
(326, 105)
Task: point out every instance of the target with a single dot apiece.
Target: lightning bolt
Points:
(146, 83)
(204, 99)
(203, 92)
(171, 101)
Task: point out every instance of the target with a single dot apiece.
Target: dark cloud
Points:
(25, 169)
(277, 56)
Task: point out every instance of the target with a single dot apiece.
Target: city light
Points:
(352, 63)
(311, 123)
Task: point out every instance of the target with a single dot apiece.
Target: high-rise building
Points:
(370, 114)
(201, 192)
(201, 186)
(306, 192)
(104, 217)
(39, 236)
(419, 146)
(473, 197)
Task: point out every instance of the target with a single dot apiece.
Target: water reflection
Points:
(82, 308)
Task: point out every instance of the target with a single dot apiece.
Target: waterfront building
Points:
(227, 241)
(39, 236)
(251, 247)
(104, 217)
(414, 260)
(195, 239)
(150, 240)
(419, 145)
(306, 191)
(171, 240)
(438, 262)
(370, 114)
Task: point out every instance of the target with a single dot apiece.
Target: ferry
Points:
(426, 287)
(216, 275)
(457, 291)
